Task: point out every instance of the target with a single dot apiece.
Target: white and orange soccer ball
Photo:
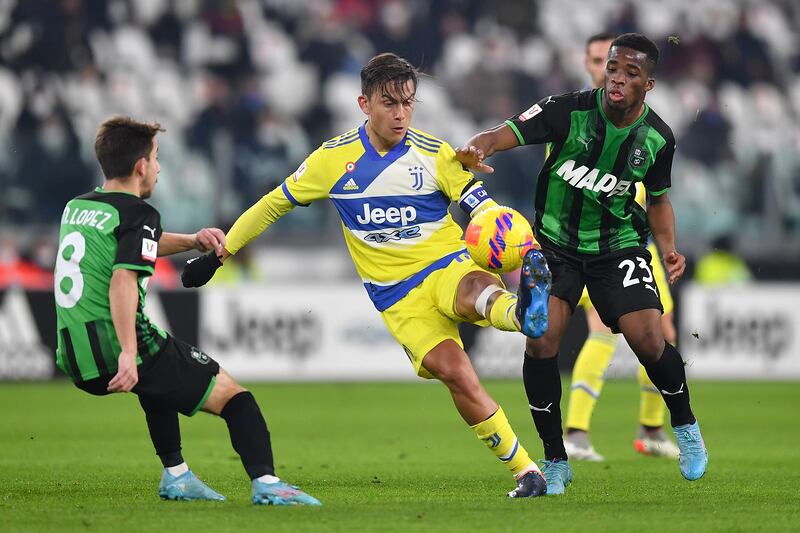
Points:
(498, 238)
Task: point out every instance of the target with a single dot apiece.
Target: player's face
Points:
(150, 170)
(595, 62)
(389, 112)
(627, 78)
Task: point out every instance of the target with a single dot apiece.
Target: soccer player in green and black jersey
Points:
(109, 241)
(594, 233)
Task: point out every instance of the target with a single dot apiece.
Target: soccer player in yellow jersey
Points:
(392, 186)
(588, 374)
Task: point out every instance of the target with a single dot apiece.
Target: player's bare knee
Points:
(232, 388)
(456, 377)
(648, 345)
(544, 347)
(446, 373)
(224, 389)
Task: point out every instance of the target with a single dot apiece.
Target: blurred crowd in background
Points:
(247, 88)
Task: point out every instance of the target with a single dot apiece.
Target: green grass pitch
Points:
(393, 457)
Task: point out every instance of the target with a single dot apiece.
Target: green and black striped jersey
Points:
(585, 192)
(102, 231)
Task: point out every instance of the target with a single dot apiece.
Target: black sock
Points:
(165, 432)
(543, 387)
(249, 434)
(669, 375)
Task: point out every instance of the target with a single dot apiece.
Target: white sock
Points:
(483, 298)
(178, 470)
(266, 478)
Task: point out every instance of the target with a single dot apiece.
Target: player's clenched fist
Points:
(199, 270)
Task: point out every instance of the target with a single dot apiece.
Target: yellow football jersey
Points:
(393, 206)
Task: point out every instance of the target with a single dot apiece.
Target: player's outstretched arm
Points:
(661, 218)
(123, 295)
(199, 270)
(483, 145)
(205, 240)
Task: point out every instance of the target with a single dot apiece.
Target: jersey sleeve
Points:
(452, 177)
(541, 122)
(309, 182)
(137, 239)
(659, 177)
(258, 218)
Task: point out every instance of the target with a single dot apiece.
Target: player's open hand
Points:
(210, 239)
(675, 264)
(127, 375)
(199, 270)
(472, 158)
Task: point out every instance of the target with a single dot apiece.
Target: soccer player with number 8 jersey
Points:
(109, 241)
(594, 234)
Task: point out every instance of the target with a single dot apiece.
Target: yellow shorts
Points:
(427, 316)
(661, 281)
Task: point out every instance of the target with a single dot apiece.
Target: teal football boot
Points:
(280, 493)
(558, 474)
(187, 486)
(694, 456)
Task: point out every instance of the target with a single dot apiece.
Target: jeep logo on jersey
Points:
(396, 235)
(637, 157)
(582, 178)
(392, 215)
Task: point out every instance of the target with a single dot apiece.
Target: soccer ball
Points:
(498, 238)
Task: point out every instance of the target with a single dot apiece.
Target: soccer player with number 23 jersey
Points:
(593, 233)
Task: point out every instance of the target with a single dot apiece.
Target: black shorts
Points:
(179, 378)
(618, 282)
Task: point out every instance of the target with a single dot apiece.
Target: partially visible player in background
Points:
(108, 245)
(596, 56)
(392, 186)
(588, 374)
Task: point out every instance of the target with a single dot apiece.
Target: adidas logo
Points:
(23, 355)
(350, 185)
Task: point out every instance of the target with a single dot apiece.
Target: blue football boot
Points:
(558, 474)
(187, 486)
(280, 493)
(530, 485)
(533, 294)
(694, 456)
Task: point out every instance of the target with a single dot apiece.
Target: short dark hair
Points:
(640, 43)
(602, 36)
(387, 69)
(120, 142)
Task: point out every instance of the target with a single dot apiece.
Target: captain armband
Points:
(474, 198)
